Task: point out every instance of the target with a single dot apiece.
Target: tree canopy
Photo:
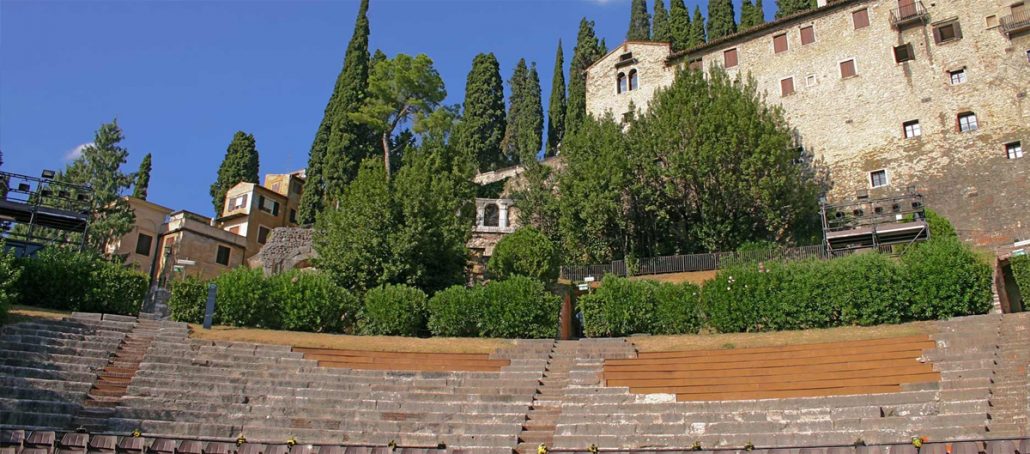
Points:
(679, 24)
(240, 164)
(142, 183)
(556, 109)
(751, 14)
(523, 136)
(483, 122)
(639, 22)
(588, 50)
(721, 19)
(100, 168)
(786, 8)
(662, 31)
(698, 34)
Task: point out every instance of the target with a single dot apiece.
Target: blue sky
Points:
(182, 76)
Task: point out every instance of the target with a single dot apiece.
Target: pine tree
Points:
(759, 18)
(679, 24)
(786, 8)
(587, 51)
(482, 126)
(240, 164)
(721, 19)
(139, 190)
(751, 15)
(556, 110)
(100, 168)
(522, 138)
(662, 27)
(698, 35)
(639, 22)
(340, 144)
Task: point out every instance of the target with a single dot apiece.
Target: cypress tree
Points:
(639, 22)
(786, 8)
(721, 19)
(340, 144)
(556, 110)
(698, 36)
(587, 51)
(751, 15)
(662, 27)
(759, 18)
(239, 165)
(481, 130)
(522, 138)
(139, 189)
(679, 24)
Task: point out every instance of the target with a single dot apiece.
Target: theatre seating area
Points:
(375, 360)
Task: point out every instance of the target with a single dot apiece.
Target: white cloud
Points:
(76, 152)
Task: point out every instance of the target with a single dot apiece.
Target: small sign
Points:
(185, 262)
(1019, 252)
(588, 279)
(583, 287)
(177, 268)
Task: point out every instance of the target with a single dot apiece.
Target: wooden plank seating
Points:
(403, 361)
(808, 370)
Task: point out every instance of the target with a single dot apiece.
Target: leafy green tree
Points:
(662, 26)
(751, 14)
(679, 24)
(340, 144)
(399, 90)
(698, 34)
(142, 183)
(639, 22)
(786, 8)
(759, 13)
(588, 50)
(9, 273)
(100, 168)
(556, 110)
(240, 164)
(393, 310)
(483, 122)
(721, 19)
(523, 136)
(526, 252)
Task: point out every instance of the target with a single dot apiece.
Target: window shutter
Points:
(957, 29)
(275, 208)
(787, 86)
(847, 69)
(807, 35)
(780, 43)
(261, 202)
(936, 35)
(861, 18)
(730, 57)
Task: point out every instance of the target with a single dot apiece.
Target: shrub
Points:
(1021, 272)
(311, 301)
(393, 310)
(116, 289)
(456, 312)
(519, 307)
(188, 302)
(526, 252)
(64, 279)
(620, 307)
(947, 279)
(243, 299)
(677, 309)
(9, 273)
(940, 226)
(741, 298)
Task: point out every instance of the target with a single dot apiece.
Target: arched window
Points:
(491, 215)
(621, 83)
(634, 82)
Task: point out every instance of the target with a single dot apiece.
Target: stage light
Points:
(48, 174)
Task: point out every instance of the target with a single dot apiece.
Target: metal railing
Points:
(1016, 22)
(910, 13)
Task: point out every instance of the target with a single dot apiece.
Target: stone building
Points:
(253, 211)
(139, 248)
(889, 94)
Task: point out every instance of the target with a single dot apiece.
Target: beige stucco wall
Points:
(854, 125)
(191, 239)
(149, 219)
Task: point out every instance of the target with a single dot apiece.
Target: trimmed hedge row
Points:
(64, 279)
(9, 273)
(518, 307)
(933, 280)
(1021, 272)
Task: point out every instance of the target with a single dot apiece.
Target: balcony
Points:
(909, 14)
(1018, 22)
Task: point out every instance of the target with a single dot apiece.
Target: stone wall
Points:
(286, 249)
(855, 125)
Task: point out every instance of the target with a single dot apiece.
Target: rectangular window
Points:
(992, 21)
(787, 86)
(780, 43)
(947, 32)
(143, 243)
(967, 122)
(730, 58)
(268, 205)
(810, 80)
(904, 53)
(861, 18)
(878, 178)
(695, 65)
(238, 202)
(807, 35)
(957, 76)
(223, 255)
(1014, 150)
(293, 215)
(912, 129)
(263, 234)
(847, 69)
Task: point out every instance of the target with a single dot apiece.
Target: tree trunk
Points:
(386, 154)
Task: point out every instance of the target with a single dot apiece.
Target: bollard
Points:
(209, 314)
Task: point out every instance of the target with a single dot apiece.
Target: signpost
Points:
(209, 313)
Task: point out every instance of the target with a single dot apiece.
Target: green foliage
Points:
(525, 124)
(662, 26)
(622, 307)
(751, 14)
(142, 183)
(948, 280)
(556, 110)
(786, 8)
(518, 308)
(1021, 273)
(940, 226)
(456, 312)
(240, 164)
(9, 273)
(393, 310)
(340, 144)
(65, 279)
(721, 19)
(639, 21)
(243, 300)
(679, 24)
(526, 252)
(311, 301)
(483, 123)
(188, 302)
(588, 50)
(698, 29)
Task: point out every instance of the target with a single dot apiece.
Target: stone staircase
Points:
(1010, 406)
(546, 407)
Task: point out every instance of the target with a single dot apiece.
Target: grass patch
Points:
(779, 338)
(19, 314)
(694, 277)
(344, 342)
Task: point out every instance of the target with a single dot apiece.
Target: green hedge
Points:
(64, 279)
(621, 307)
(243, 299)
(526, 252)
(393, 310)
(1021, 272)
(455, 312)
(312, 301)
(188, 302)
(947, 280)
(9, 273)
(520, 307)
